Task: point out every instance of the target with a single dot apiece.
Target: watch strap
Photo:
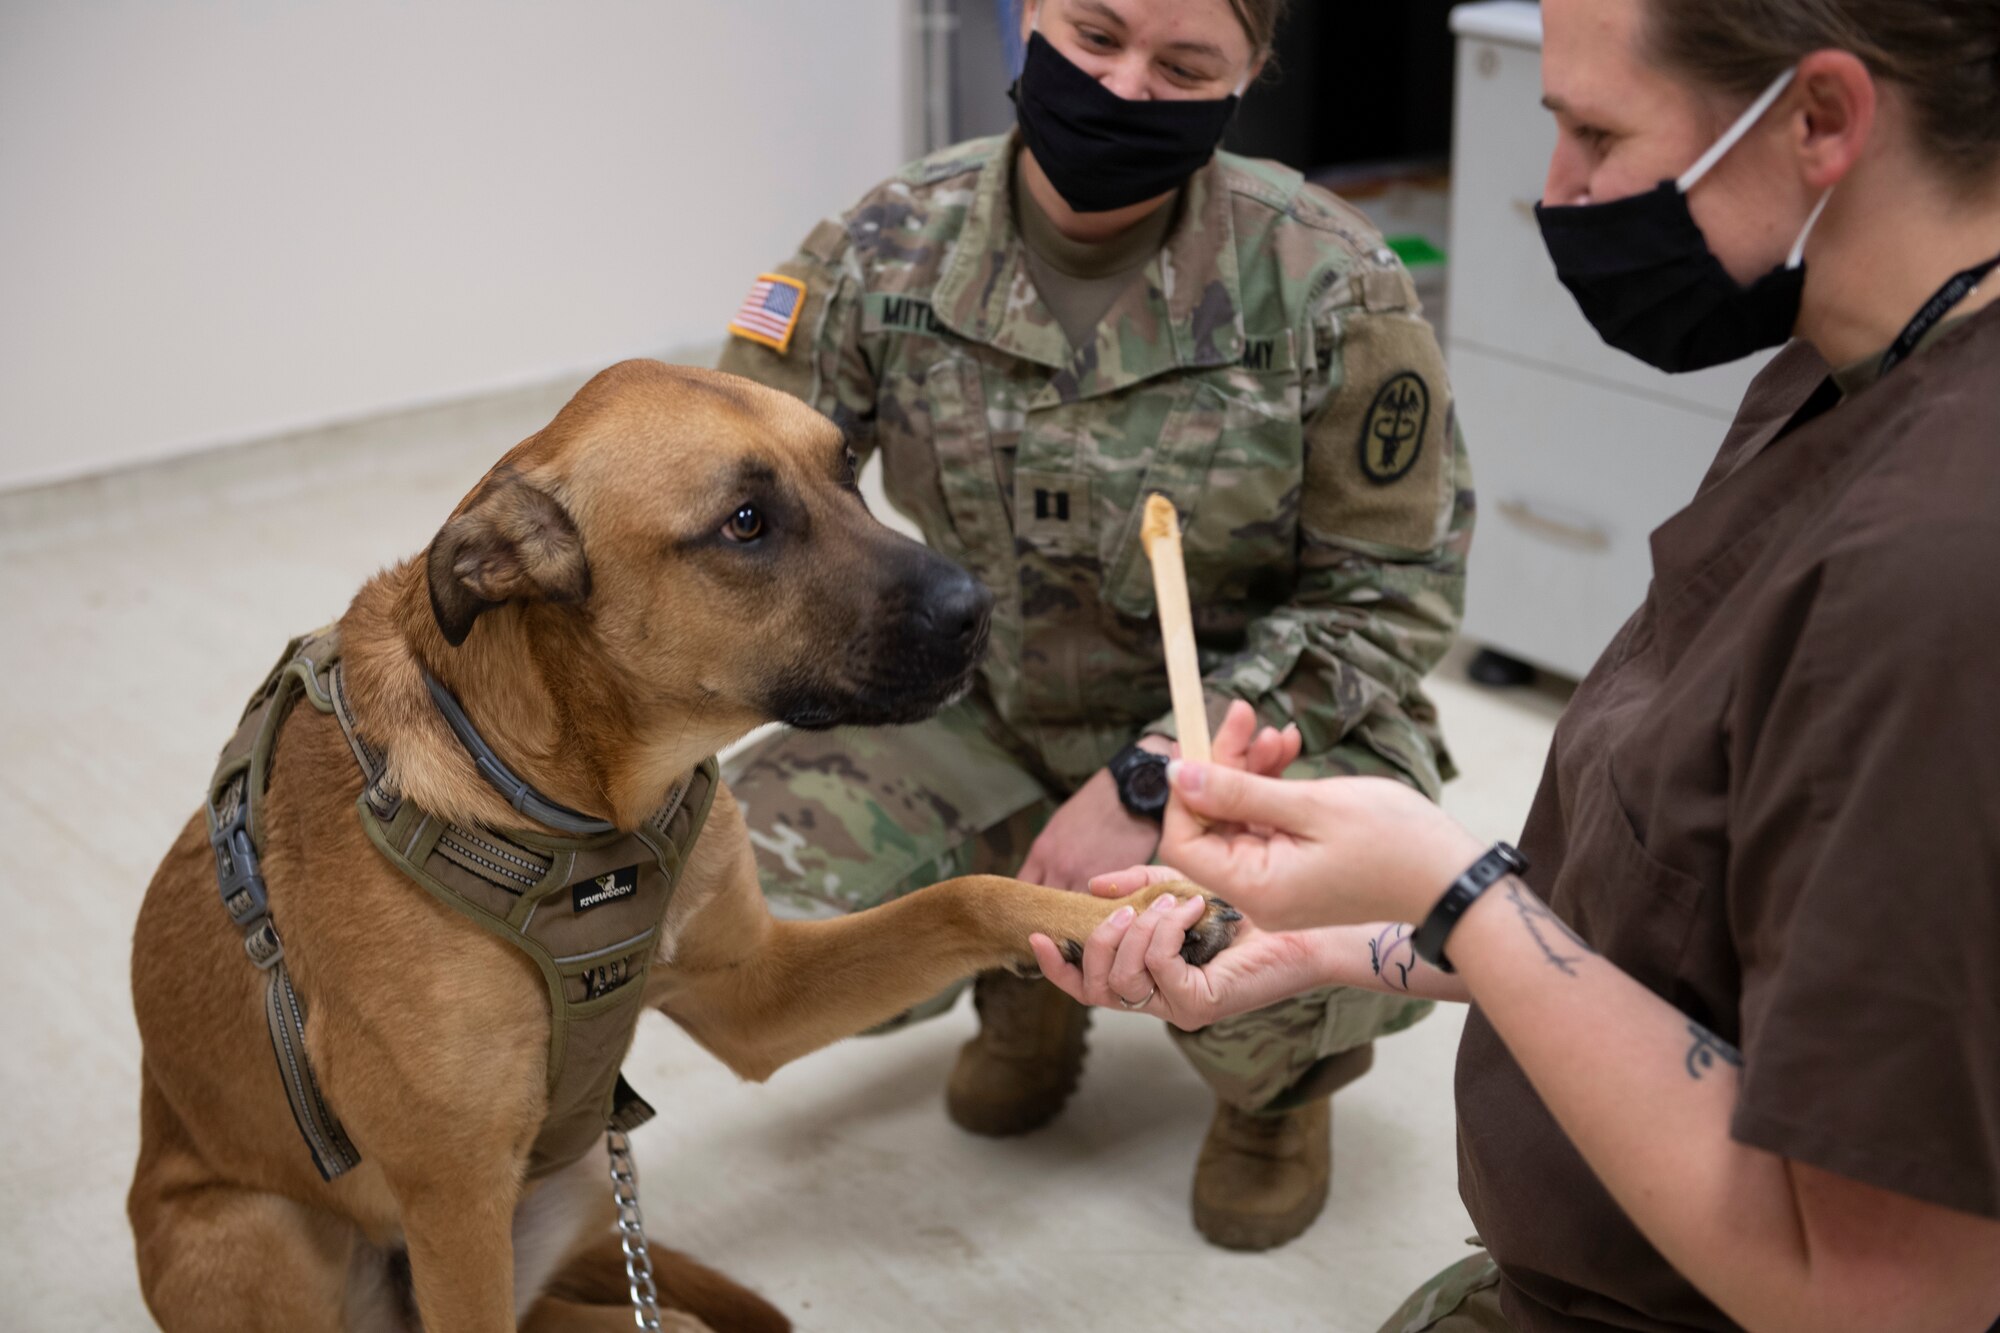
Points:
(1499, 862)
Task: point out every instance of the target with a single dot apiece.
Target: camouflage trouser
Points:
(1465, 1298)
(848, 819)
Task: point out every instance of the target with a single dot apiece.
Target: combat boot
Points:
(1262, 1178)
(1017, 1073)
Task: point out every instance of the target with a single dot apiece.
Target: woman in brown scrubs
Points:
(1735, 1055)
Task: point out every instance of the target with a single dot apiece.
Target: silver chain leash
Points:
(632, 1232)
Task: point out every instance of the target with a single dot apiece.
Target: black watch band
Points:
(1487, 871)
(1141, 778)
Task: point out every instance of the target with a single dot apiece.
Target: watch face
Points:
(1146, 784)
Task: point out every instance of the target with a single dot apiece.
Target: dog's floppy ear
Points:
(514, 541)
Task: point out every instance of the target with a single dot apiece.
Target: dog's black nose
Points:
(958, 606)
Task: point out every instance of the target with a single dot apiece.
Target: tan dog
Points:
(677, 558)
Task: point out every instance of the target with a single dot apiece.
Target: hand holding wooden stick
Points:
(1161, 536)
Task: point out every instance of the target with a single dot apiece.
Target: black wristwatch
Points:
(1487, 871)
(1141, 776)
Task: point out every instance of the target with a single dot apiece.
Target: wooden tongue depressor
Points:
(1161, 536)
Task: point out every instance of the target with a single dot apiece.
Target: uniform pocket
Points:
(906, 425)
(1651, 906)
(938, 467)
(1231, 465)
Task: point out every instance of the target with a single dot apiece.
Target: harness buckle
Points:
(238, 876)
(263, 945)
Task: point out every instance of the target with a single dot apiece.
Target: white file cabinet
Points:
(1578, 452)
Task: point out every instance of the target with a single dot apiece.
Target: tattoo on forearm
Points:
(1543, 924)
(1707, 1049)
(1393, 954)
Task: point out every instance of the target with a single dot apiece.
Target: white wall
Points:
(221, 219)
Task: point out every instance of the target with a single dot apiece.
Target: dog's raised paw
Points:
(1212, 934)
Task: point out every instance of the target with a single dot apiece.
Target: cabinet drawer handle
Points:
(1584, 536)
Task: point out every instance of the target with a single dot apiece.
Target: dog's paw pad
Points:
(1212, 934)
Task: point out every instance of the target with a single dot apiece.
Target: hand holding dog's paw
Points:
(1204, 936)
(1157, 953)
(1211, 934)
(1207, 935)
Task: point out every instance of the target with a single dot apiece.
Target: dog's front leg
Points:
(759, 993)
(459, 1230)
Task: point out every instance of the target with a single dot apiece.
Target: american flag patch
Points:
(771, 311)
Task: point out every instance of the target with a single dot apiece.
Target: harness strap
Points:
(231, 809)
(628, 1109)
(331, 1151)
(367, 756)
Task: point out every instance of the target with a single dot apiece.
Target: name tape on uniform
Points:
(887, 312)
(1275, 352)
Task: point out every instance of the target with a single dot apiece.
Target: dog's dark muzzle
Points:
(919, 654)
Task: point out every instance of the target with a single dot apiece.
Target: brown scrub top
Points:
(1776, 803)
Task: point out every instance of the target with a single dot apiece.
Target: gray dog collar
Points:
(522, 797)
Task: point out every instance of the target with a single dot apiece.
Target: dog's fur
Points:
(608, 617)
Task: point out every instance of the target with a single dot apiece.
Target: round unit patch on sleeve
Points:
(1380, 458)
(1392, 435)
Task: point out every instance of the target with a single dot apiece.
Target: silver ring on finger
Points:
(1141, 1002)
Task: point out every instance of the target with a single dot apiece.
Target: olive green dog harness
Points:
(586, 909)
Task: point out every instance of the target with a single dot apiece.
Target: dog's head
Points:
(700, 540)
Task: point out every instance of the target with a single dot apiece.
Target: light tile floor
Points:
(139, 610)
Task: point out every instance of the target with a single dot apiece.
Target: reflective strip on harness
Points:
(286, 1017)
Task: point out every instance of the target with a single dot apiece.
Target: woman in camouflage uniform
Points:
(1035, 332)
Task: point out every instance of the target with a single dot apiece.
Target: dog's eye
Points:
(746, 524)
(850, 470)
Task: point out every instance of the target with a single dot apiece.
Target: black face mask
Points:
(1099, 150)
(1648, 282)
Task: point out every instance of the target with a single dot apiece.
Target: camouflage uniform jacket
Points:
(1270, 373)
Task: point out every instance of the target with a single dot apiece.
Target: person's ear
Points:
(1836, 116)
(512, 541)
